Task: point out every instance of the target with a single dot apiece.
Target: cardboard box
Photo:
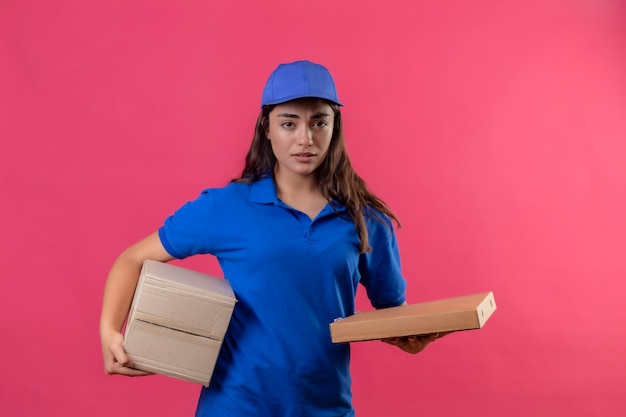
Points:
(451, 314)
(177, 321)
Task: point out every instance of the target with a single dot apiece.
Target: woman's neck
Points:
(301, 193)
(295, 184)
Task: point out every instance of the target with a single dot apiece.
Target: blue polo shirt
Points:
(292, 276)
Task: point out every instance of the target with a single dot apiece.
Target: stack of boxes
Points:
(177, 321)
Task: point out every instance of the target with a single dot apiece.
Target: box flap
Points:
(173, 353)
(175, 276)
(184, 300)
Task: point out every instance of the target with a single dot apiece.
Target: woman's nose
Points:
(305, 137)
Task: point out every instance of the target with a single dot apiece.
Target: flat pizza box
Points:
(445, 315)
(177, 321)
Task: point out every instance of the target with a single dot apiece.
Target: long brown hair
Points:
(337, 179)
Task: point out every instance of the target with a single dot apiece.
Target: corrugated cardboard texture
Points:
(177, 321)
(451, 314)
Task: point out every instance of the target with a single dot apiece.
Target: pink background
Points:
(496, 130)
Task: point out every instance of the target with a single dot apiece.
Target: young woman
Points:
(294, 235)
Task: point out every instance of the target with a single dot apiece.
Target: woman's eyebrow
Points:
(320, 115)
(296, 116)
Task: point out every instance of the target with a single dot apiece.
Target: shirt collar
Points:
(264, 192)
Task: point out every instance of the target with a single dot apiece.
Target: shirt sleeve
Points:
(381, 272)
(188, 231)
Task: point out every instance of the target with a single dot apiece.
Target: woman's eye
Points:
(320, 123)
(287, 124)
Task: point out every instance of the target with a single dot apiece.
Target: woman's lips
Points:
(303, 156)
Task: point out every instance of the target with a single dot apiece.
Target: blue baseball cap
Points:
(299, 79)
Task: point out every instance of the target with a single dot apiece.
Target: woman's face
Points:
(300, 132)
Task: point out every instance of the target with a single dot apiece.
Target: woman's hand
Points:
(118, 296)
(414, 344)
(116, 361)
